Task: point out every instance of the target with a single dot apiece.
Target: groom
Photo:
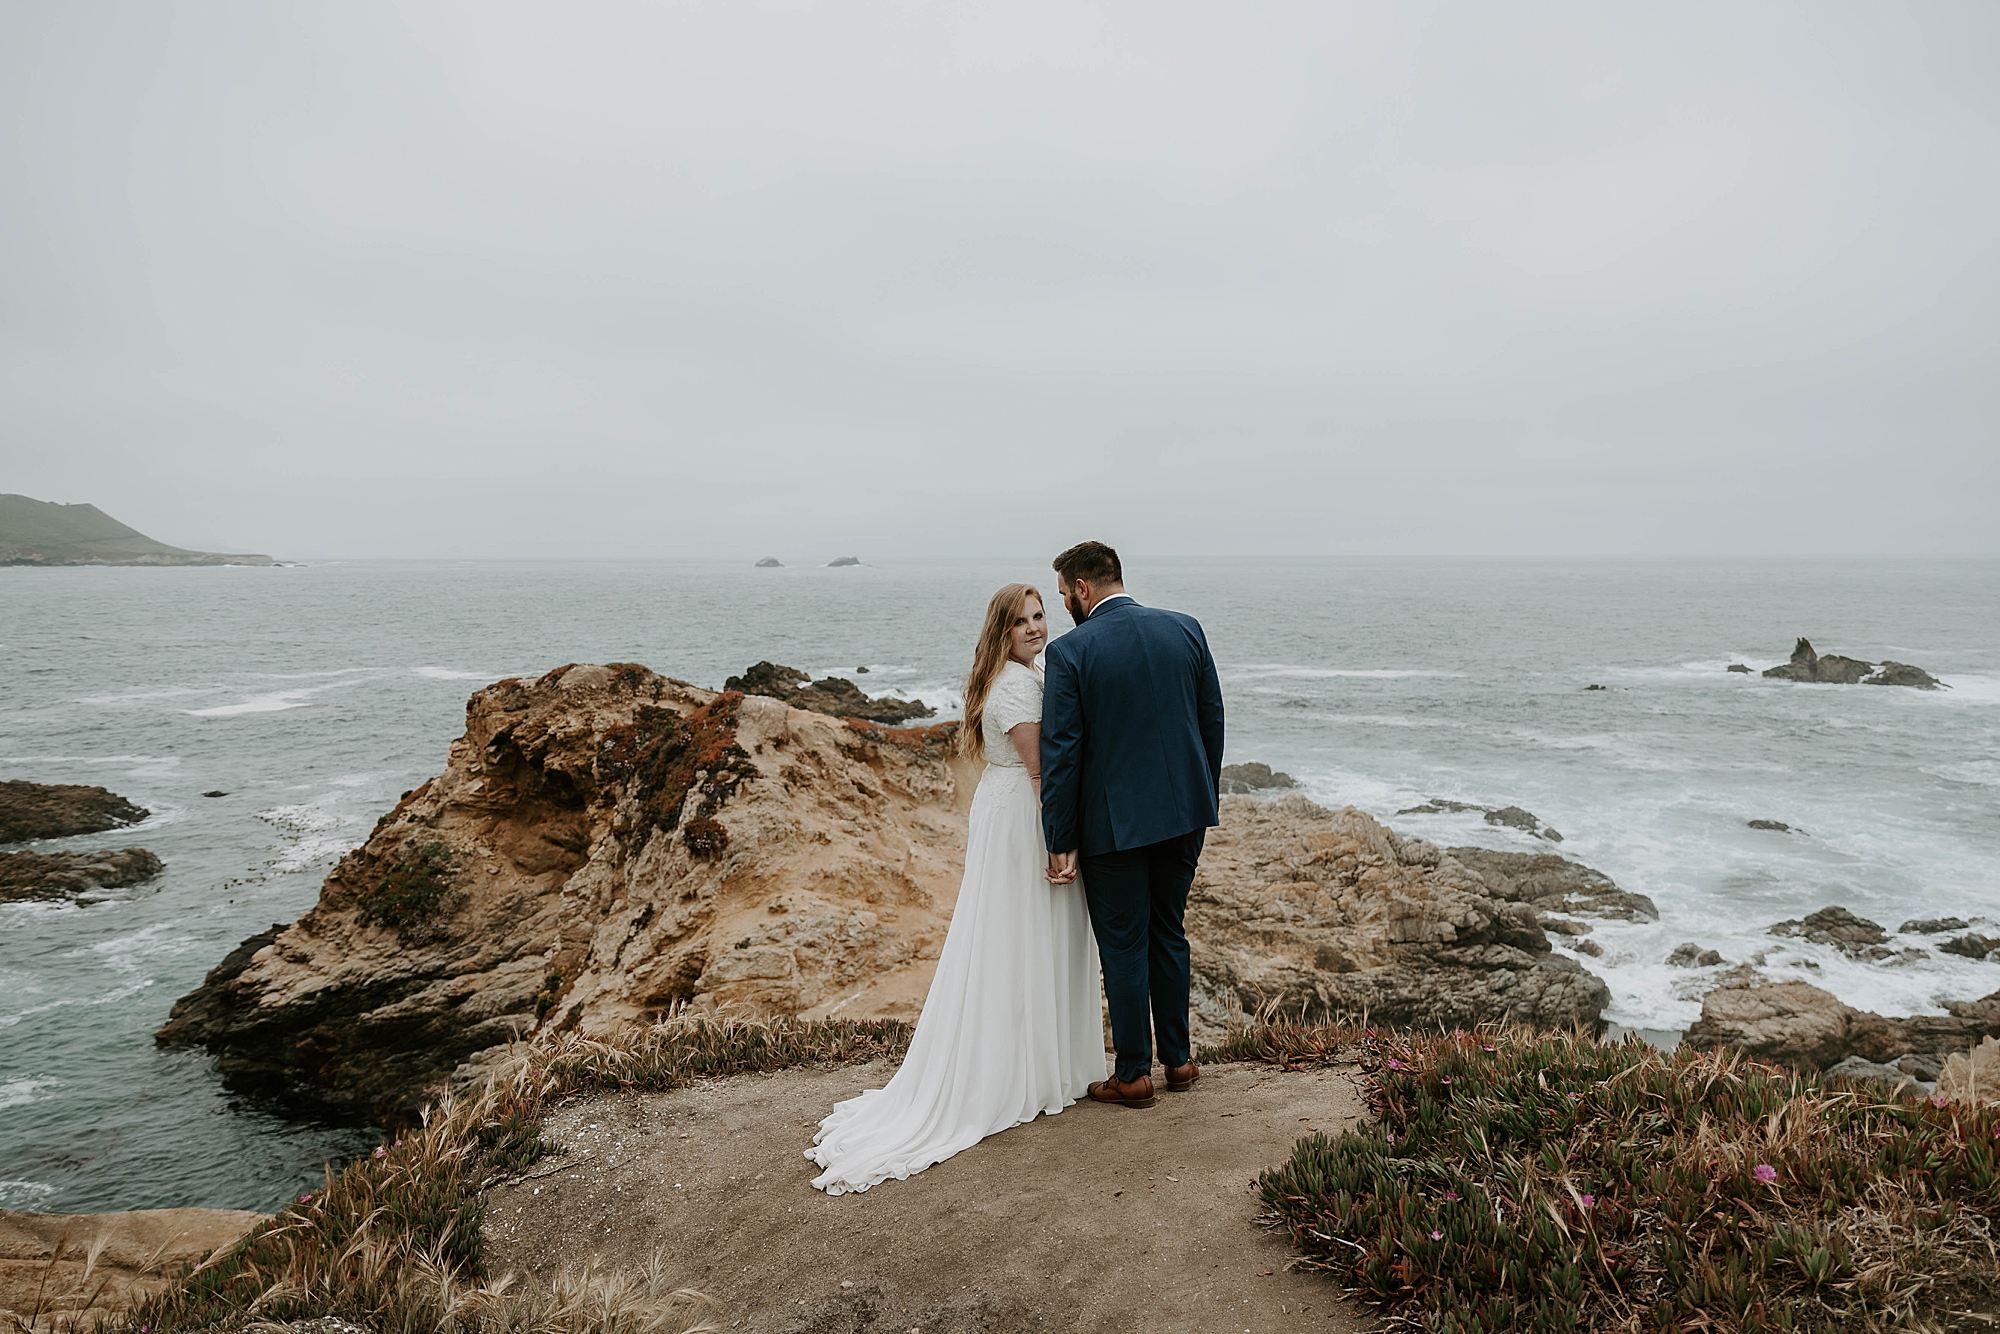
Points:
(1131, 758)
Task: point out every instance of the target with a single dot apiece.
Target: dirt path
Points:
(1101, 1218)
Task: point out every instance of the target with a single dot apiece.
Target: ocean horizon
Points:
(313, 694)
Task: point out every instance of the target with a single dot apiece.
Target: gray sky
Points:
(587, 279)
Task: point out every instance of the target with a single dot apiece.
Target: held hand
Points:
(1062, 868)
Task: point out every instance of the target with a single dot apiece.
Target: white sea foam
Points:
(452, 674)
(275, 703)
(24, 1194)
(134, 951)
(313, 832)
(20, 1092)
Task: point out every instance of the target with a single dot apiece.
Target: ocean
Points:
(312, 696)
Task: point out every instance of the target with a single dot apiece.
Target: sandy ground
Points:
(1101, 1218)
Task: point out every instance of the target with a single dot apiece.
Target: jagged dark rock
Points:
(1594, 687)
(217, 793)
(830, 695)
(61, 875)
(1440, 806)
(1738, 667)
(1856, 937)
(1511, 817)
(1833, 669)
(1253, 777)
(1970, 946)
(1931, 926)
(30, 811)
(1553, 884)
(1691, 955)
(1902, 674)
(1775, 826)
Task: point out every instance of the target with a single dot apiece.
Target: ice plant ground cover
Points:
(393, 1242)
(1526, 1182)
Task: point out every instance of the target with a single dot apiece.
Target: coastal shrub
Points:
(414, 891)
(393, 1241)
(1528, 1182)
(545, 999)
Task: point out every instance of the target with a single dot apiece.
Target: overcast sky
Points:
(901, 279)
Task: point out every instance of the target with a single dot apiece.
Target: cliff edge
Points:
(605, 844)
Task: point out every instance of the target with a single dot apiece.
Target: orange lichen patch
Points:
(933, 742)
(670, 758)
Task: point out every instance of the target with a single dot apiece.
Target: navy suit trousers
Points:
(1138, 902)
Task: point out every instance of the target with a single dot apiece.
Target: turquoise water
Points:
(315, 695)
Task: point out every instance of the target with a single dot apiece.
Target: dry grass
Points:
(1528, 1182)
(393, 1242)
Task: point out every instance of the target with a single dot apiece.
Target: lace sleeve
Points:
(1016, 699)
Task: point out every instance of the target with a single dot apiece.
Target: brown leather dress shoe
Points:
(1180, 1078)
(1138, 1093)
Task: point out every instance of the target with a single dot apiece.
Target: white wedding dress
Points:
(1013, 1024)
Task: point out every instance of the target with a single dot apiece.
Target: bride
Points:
(1013, 1024)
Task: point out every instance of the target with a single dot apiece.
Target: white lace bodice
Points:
(1016, 699)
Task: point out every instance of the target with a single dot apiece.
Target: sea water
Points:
(313, 696)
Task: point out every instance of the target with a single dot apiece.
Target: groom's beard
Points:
(1077, 614)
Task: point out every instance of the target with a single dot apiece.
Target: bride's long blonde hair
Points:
(996, 637)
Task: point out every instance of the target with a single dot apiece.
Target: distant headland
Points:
(41, 532)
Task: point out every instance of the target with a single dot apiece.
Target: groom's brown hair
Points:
(1090, 560)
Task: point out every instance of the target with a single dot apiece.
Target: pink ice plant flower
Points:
(1451, 1195)
(1765, 1173)
(1576, 1097)
(1436, 1235)
(381, 1152)
(1589, 1201)
(1395, 1064)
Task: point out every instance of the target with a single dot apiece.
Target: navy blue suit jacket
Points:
(1131, 731)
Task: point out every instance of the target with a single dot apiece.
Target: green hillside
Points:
(39, 532)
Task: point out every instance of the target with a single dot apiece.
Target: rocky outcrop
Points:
(1931, 926)
(1330, 913)
(831, 695)
(1551, 884)
(1797, 1024)
(1833, 669)
(603, 844)
(60, 875)
(770, 563)
(1691, 955)
(77, 1268)
(841, 562)
(1771, 826)
(1971, 945)
(1856, 937)
(1509, 817)
(1254, 777)
(29, 811)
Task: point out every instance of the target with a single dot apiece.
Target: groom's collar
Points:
(1115, 597)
